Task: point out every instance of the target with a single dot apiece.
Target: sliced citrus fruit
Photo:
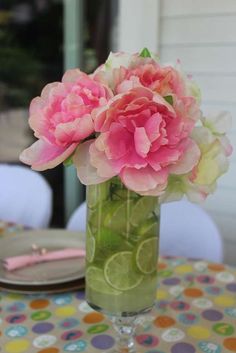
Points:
(146, 255)
(118, 218)
(142, 209)
(96, 194)
(96, 281)
(90, 248)
(120, 273)
(109, 239)
(149, 226)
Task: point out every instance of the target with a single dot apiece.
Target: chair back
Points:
(25, 196)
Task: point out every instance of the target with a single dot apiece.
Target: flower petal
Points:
(144, 179)
(141, 141)
(105, 168)
(189, 159)
(43, 155)
(74, 131)
(86, 173)
(219, 123)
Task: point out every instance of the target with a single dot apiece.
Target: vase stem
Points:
(125, 327)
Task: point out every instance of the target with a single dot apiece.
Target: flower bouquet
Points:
(137, 137)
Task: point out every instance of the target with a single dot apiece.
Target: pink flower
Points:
(143, 139)
(61, 118)
(163, 80)
(122, 72)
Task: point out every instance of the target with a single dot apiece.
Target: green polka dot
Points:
(223, 329)
(41, 315)
(98, 328)
(165, 273)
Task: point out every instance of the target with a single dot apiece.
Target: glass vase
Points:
(121, 256)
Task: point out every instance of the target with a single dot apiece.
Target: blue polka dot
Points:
(16, 331)
(15, 307)
(62, 299)
(76, 346)
(69, 323)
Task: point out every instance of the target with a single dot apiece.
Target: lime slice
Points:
(108, 239)
(118, 217)
(96, 216)
(146, 255)
(122, 194)
(96, 281)
(90, 248)
(142, 209)
(96, 194)
(150, 226)
(120, 273)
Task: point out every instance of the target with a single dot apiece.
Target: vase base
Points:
(121, 314)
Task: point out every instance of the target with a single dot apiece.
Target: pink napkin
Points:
(16, 262)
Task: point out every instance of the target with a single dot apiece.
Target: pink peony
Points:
(61, 118)
(122, 72)
(143, 139)
(163, 80)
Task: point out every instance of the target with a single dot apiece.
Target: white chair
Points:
(186, 230)
(25, 196)
(77, 220)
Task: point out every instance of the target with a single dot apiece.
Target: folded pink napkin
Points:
(16, 262)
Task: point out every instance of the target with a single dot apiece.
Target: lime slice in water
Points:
(118, 218)
(150, 226)
(96, 281)
(97, 194)
(146, 255)
(120, 272)
(109, 239)
(90, 248)
(142, 209)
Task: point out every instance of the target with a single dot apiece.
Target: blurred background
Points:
(39, 39)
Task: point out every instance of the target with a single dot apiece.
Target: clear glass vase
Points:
(121, 256)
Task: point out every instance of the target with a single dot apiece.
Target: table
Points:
(195, 312)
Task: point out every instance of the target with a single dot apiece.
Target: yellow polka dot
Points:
(65, 311)
(198, 332)
(17, 346)
(225, 300)
(183, 268)
(161, 294)
(15, 296)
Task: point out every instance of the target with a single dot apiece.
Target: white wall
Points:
(202, 34)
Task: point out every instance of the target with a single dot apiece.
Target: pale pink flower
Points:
(215, 149)
(143, 139)
(61, 118)
(123, 71)
(163, 80)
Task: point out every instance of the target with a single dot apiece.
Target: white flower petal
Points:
(87, 174)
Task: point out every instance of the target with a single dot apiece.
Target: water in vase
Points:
(122, 249)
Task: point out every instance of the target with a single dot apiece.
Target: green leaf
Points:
(69, 161)
(145, 53)
(169, 99)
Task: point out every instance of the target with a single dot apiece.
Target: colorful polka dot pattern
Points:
(195, 312)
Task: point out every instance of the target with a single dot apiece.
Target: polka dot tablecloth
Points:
(195, 312)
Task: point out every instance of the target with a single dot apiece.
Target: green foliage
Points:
(169, 99)
(145, 53)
